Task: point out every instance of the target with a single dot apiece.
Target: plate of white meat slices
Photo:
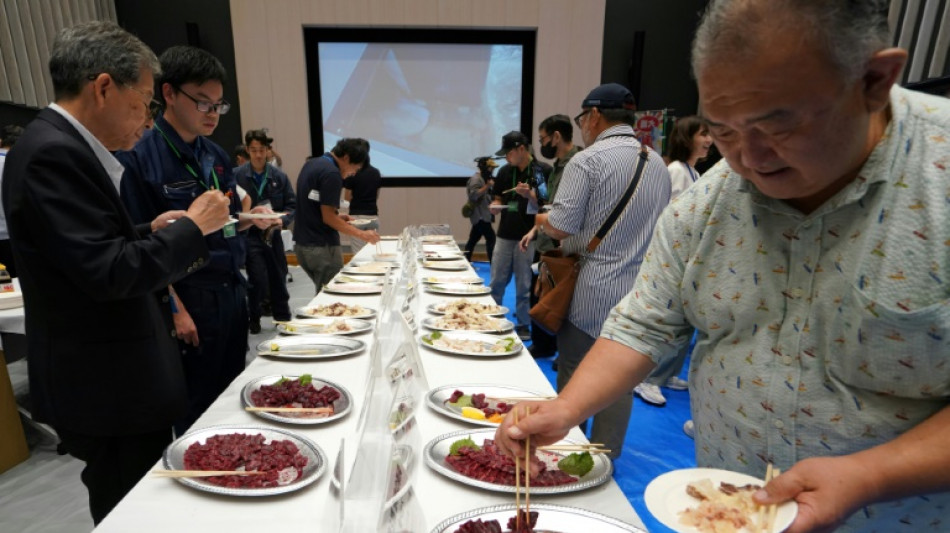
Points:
(336, 310)
(694, 500)
(463, 305)
(324, 326)
(471, 343)
(468, 322)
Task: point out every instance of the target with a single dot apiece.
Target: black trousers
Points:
(266, 266)
(114, 464)
(220, 314)
(480, 229)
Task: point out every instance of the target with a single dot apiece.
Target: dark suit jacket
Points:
(102, 359)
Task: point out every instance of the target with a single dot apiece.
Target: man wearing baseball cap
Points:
(518, 192)
(593, 182)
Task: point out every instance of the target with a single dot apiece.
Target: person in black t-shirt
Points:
(362, 191)
(519, 191)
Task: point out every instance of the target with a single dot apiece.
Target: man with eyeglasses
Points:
(171, 165)
(104, 368)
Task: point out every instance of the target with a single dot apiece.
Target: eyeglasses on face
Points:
(204, 106)
(577, 119)
(152, 106)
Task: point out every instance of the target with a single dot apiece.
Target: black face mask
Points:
(548, 151)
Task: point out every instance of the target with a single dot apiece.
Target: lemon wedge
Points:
(473, 413)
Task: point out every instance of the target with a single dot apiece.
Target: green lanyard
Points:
(260, 188)
(187, 166)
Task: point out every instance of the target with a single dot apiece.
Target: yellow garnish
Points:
(473, 413)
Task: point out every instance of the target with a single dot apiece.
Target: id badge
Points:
(230, 230)
(513, 206)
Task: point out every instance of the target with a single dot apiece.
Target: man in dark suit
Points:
(103, 362)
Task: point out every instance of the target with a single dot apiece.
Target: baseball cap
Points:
(512, 140)
(610, 96)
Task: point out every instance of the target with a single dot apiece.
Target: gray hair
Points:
(86, 50)
(849, 31)
(614, 116)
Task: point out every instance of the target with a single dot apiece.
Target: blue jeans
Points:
(506, 260)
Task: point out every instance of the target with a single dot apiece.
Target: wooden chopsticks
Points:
(316, 410)
(767, 526)
(204, 473)
(590, 448)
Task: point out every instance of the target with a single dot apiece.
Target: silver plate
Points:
(174, 459)
(470, 335)
(352, 288)
(358, 279)
(369, 268)
(390, 257)
(304, 312)
(437, 238)
(469, 280)
(458, 288)
(502, 325)
(341, 407)
(437, 398)
(445, 265)
(317, 326)
(438, 308)
(439, 255)
(436, 450)
(551, 519)
(323, 346)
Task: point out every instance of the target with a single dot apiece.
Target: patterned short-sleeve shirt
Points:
(820, 334)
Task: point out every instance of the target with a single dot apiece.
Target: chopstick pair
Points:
(527, 482)
(763, 525)
(204, 473)
(589, 448)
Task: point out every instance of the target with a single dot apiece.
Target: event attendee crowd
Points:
(805, 269)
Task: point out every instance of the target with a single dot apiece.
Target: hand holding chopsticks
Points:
(767, 524)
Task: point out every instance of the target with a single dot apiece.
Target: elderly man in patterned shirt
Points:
(813, 262)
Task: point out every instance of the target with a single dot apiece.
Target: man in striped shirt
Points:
(593, 181)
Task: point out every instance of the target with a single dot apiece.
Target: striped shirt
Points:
(594, 180)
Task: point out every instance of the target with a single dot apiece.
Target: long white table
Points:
(164, 505)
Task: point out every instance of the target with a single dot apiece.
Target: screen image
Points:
(426, 108)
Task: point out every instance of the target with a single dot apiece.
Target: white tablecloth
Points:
(164, 505)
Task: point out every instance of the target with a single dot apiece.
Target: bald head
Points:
(847, 32)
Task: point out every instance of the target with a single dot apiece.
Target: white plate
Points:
(318, 326)
(442, 256)
(361, 222)
(174, 459)
(496, 208)
(357, 278)
(438, 398)
(551, 518)
(469, 280)
(341, 407)
(373, 268)
(437, 238)
(388, 257)
(363, 312)
(502, 325)
(458, 288)
(487, 340)
(389, 237)
(666, 496)
(264, 216)
(438, 448)
(311, 346)
(445, 265)
(438, 308)
(353, 288)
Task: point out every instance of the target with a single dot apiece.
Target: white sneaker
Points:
(689, 429)
(675, 383)
(650, 393)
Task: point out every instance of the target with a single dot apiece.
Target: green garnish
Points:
(305, 379)
(464, 401)
(435, 335)
(281, 381)
(464, 443)
(507, 343)
(577, 464)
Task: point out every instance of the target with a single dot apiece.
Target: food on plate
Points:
(452, 279)
(280, 459)
(463, 305)
(336, 309)
(337, 326)
(527, 524)
(371, 268)
(298, 392)
(577, 464)
(467, 320)
(726, 509)
(477, 407)
(487, 463)
(437, 340)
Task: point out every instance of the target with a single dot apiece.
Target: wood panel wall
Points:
(271, 71)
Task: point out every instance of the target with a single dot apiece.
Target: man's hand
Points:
(345, 218)
(165, 219)
(526, 240)
(828, 490)
(546, 422)
(264, 223)
(185, 328)
(369, 236)
(523, 189)
(210, 211)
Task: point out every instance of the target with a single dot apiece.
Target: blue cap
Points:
(610, 96)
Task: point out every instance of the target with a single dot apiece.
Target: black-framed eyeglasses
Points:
(154, 107)
(577, 119)
(544, 139)
(204, 106)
